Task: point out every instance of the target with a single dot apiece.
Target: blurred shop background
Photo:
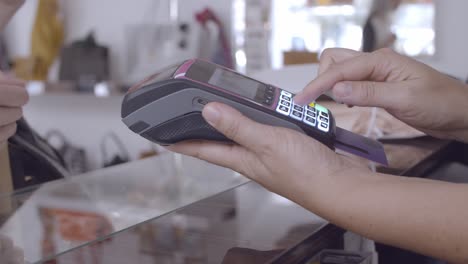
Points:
(81, 56)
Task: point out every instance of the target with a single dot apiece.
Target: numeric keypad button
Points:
(298, 108)
(323, 119)
(324, 114)
(297, 115)
(287, 104)
(323, 127)
(288, 94)
(311, 109)
(284, 110)
(312, 114)
(310, 121)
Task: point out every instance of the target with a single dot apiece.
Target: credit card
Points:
(360, 146)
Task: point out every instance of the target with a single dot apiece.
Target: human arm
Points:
(409, 90)
(13, 96)
(420, 215)
(7, 10)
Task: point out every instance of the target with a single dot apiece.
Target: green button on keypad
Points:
(321, 108)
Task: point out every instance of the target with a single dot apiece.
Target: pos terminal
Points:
(166, 108)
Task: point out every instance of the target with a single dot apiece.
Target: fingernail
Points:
(211, 114)
(342, 90)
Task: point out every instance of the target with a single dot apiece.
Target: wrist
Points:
(351, 178)
(320, 194)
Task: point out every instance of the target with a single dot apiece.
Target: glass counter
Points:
(245, 225)
(176, 209)
(60, 216)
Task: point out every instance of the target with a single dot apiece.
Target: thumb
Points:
(367, 93)
(236, 126)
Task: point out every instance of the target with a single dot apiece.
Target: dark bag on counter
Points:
(85, 63)
(73, 156)
(119, 157)
(33, 161)
(368, 37)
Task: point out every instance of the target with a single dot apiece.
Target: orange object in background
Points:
(300, 57)
(77, 226)
(74, 226)
(329, 2)
(46, 39)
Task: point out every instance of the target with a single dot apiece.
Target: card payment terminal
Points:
(166, 108)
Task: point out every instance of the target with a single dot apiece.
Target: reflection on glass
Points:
(9, 252)
(63, 215)
(242, 225)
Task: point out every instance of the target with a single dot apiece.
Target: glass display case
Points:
(174, 209)
(61, 216)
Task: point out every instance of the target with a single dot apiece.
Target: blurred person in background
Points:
(13, 94)
(377, 33)
(32, 159)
